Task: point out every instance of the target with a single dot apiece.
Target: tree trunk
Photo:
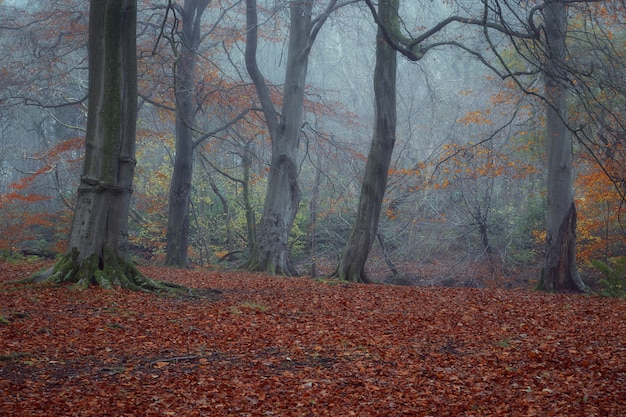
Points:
(352, 264)
(282, 198)
(228, 239)
(313, 213)
(184, 85)
(246, 162)
(98, 243)
(560, 272)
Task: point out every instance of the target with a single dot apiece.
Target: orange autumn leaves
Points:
(271, 346)
(24, 212)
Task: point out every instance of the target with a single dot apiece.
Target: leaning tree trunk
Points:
(184, 84)
(282, 199)
(352, 264)
(559, 272)
(98, 243)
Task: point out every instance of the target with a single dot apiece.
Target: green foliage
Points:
(8, 256)
(529, 223)
(299, 232)
(614, 280)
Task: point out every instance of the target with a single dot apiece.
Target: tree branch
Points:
(252, 30)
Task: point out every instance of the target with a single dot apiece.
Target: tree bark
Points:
(184, 85)
(246, 162)
(313, 213)
(98, 242)
(352, 263)
(559, 272)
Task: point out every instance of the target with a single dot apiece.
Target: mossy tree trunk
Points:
(98, 242)
(352, 263)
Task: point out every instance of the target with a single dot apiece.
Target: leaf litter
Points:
(256, 345)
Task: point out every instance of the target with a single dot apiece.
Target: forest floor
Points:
(253, 345)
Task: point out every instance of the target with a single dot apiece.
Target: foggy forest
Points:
(312, 208)
(480, 90)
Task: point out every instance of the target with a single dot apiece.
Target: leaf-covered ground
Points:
(269, 346)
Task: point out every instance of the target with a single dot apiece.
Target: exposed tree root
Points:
(108, 271)
(350, 275)
(281, 267)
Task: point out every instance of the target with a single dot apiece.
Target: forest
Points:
(476, 144)
(312, 208)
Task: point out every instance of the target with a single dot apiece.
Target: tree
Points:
(189, 100)
(98, 242)
(282, 198)
(184, 87)
(559, 271)
(389, 40)
(352, 263)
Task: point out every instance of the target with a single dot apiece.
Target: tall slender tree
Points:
(559, 272)
(186, 38)
(184, 90)
(352, 263)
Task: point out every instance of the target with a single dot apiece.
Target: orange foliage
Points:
(269, 346)
(600, 234)
(475, 117)
(69, 151)
(22, 220)
(25, 215)
(474, 161)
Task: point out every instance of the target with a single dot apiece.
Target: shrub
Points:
(614, 280)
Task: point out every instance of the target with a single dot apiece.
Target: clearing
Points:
(271, 346)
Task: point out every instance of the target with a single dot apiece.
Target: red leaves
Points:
(277, 346)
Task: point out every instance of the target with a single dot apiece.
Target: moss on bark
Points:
(108, 271)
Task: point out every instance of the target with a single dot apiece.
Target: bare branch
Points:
(225, 126)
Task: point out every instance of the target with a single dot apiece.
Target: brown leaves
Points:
(282, 347)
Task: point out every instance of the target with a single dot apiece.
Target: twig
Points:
(176, 359)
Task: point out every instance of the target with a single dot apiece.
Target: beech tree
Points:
(352, 263)
(389, 40)
(559, 271)
(282, 198)
(567, 79)
(186, 37)
(98, 242)
(184, 88)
